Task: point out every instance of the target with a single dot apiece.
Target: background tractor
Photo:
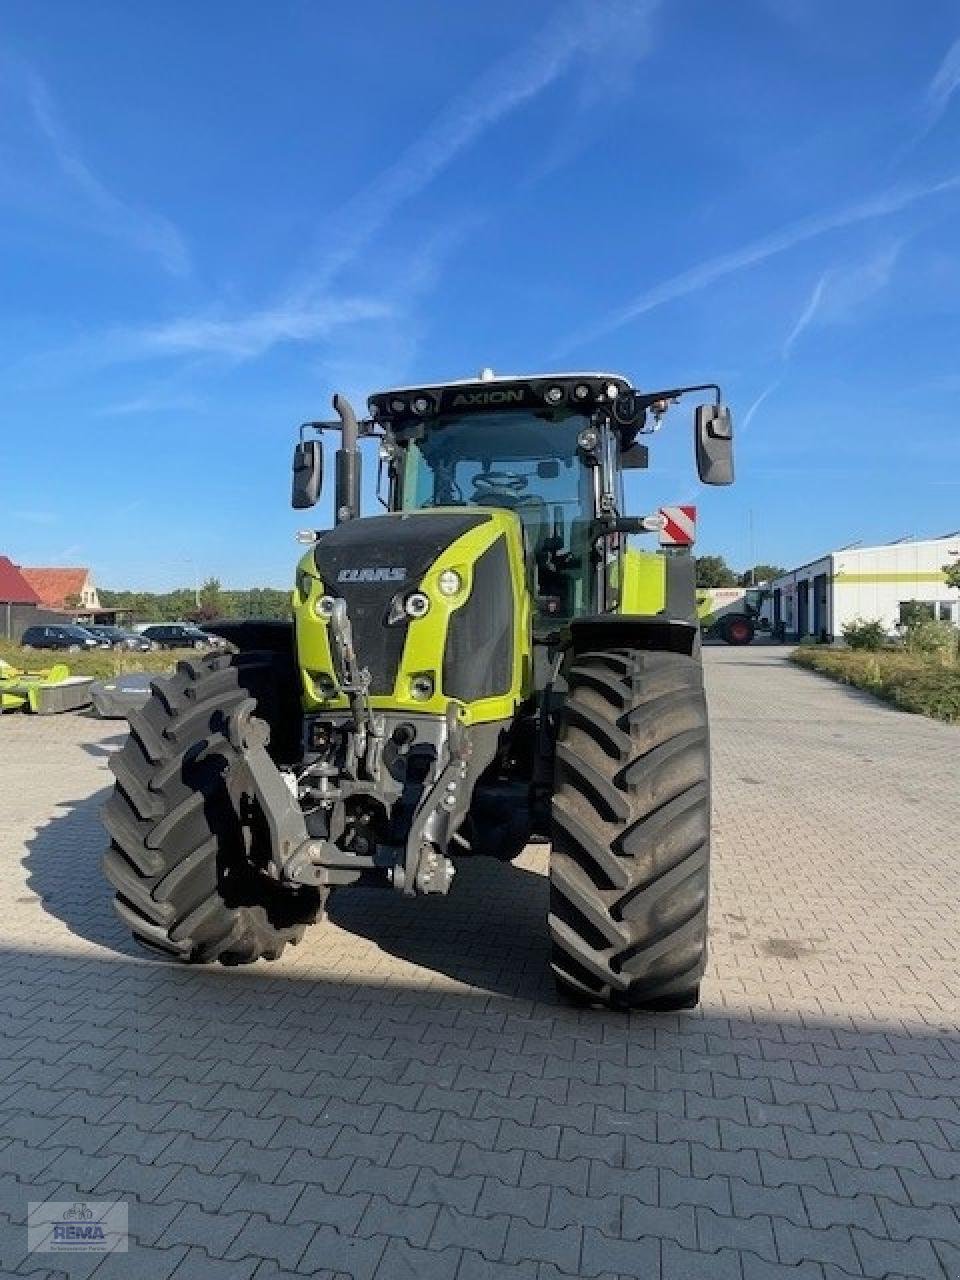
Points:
(733, 614)
(485, 662)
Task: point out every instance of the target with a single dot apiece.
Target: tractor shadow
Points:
(62, 862)
(489, 932)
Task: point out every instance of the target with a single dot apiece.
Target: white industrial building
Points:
(818, 598)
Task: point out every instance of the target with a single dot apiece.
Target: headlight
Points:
(416, 605)
(421, 686)
(324, 606)
(588, 439)
(449, 582)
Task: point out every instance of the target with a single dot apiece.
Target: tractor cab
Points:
(550, 448)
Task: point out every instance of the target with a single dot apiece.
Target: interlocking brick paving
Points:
(402, 1095)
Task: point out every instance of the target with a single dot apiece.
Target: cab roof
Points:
(582, 392)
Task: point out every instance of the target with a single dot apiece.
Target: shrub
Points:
(862, 633)
(923, 635)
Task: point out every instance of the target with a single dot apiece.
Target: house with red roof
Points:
(62, 588)
(14, 588)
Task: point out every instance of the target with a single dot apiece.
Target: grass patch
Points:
(101, 663)
(927, 684)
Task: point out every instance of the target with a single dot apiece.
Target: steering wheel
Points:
(510, 481)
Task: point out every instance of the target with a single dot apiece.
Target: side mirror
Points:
(714, 443)
(307, 474)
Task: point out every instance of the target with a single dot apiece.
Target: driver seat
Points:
(531, 509)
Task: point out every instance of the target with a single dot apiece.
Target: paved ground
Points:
(401, 1095)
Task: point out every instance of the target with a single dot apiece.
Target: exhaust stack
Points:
(347, 489)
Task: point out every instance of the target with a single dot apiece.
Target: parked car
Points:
(119, 637)
(56, 636)
(180, 635)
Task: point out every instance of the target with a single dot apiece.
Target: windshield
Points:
(523, 463)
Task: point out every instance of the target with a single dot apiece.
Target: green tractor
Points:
(486, 663)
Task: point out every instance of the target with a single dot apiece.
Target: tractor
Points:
(485, 663)
(731, 614)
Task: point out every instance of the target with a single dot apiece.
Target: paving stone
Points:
(602, 1212)
(603, 1254)
(484, 1235)
(754, 1234)
(302, 1166)
(439, 1156)
(353, 1256)
(783, 1202)
(905, 1222)
(881, 1258)
(688, 1264)
(403, 1261)
(846, 1211)
(832, 1244)
(198, 1265)
(558, 1245)
(505, 1165)
(275, 1199)
(142, 1264)
(284, 1243)
(322, 1207)
(413, 1223)
(474, 1266)
(712, 1192)
(531, 1203)
(211, 1232)
(206, 1189)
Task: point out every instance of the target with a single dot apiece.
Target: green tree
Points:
(760, 573)
(952, 572)
(713, 571)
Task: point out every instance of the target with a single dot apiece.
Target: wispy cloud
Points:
(580, 31)
(839, 293)
(35, 516)
(943, 86)
(882, 205)
(751, 413)
(806, 316)
(152, 402)
(147, 231)
(242, 337)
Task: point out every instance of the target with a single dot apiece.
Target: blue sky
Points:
(212, 216)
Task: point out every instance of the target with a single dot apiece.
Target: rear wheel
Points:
(187, 847)
(629, 866)
(738, 630)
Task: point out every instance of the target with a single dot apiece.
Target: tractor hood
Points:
(468, 638)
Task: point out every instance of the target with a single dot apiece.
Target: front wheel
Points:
(629, 866)
(188, 848)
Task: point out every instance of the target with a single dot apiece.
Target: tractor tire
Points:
(187, 848)
(629, 865)
(738, 630)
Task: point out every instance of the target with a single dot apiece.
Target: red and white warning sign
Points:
(679, 528)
